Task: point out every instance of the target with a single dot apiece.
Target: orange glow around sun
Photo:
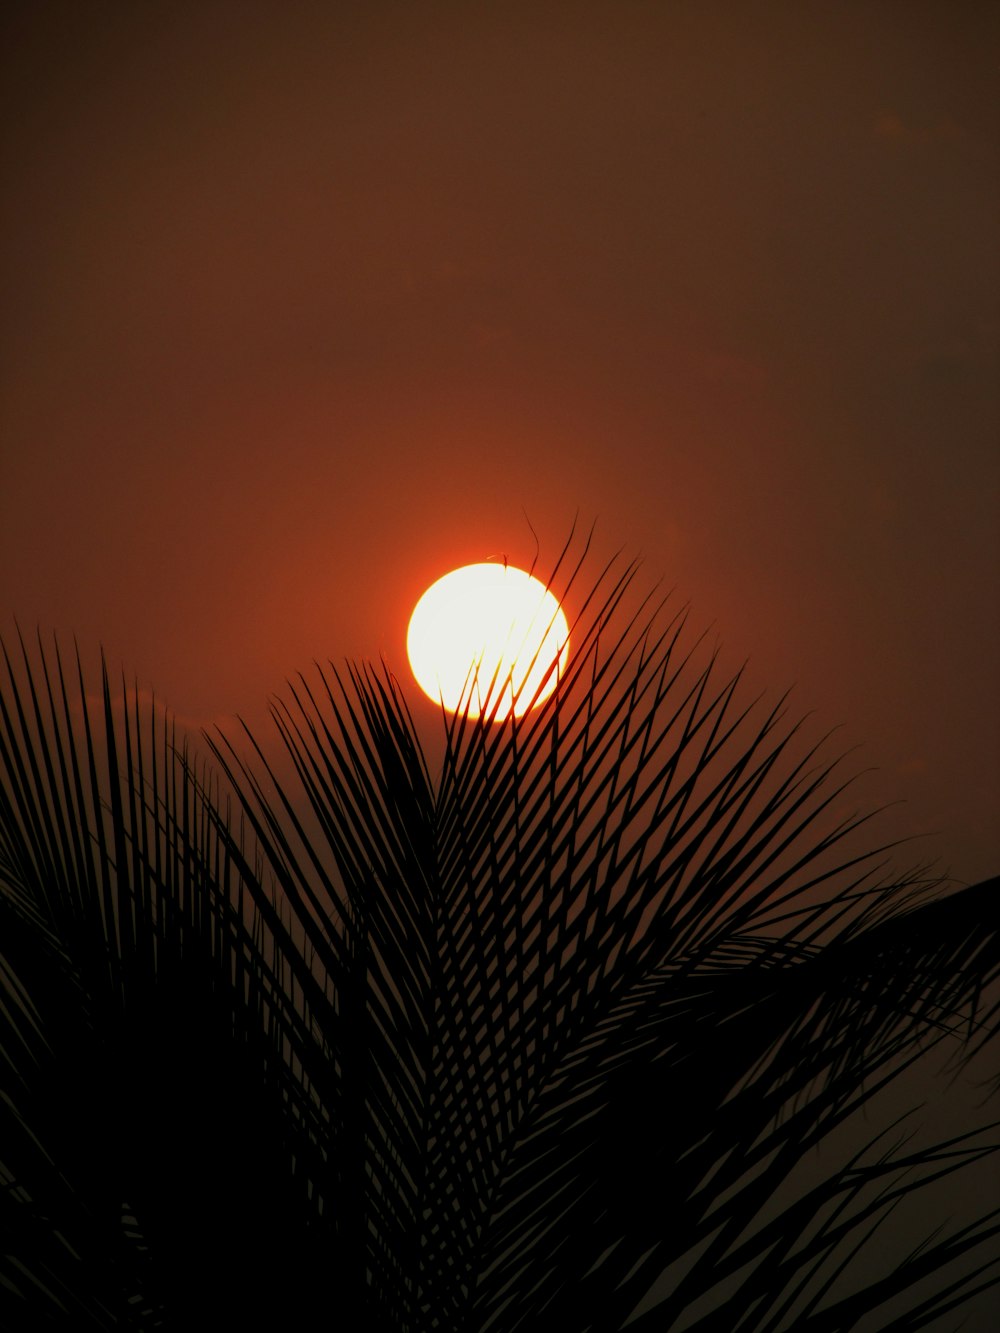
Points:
(488, 636)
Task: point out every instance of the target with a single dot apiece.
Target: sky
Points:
(305, 304)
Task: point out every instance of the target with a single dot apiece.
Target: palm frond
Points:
(142, 1028)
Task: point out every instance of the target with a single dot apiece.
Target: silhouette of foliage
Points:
(547, 1040)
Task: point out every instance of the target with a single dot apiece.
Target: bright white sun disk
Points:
(488, 635)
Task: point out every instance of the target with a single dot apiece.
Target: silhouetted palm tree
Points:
(543, 1041)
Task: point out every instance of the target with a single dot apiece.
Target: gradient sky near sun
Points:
(304, 303)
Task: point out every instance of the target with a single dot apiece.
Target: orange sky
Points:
(303, 302)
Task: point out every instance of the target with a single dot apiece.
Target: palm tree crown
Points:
(548, 1039)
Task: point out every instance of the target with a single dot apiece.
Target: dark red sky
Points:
(302, 303)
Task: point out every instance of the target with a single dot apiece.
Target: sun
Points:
(490, 638)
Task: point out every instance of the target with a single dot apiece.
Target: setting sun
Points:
(488, 636)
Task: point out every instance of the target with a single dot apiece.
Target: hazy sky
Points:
(302, 302)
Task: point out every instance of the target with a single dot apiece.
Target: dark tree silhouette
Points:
(547, 1041)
